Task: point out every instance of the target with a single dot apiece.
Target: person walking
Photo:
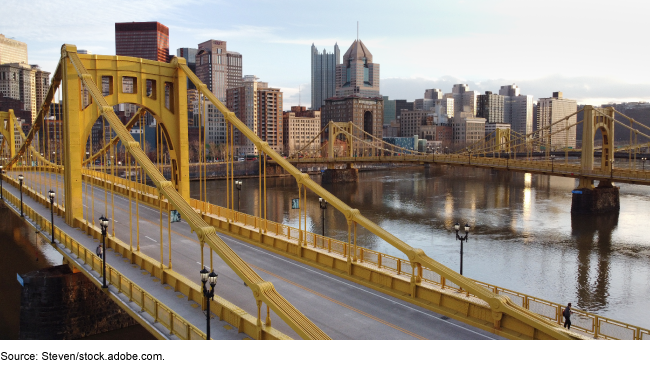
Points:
(567, 317)
(100, 252)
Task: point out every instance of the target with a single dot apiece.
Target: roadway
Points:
(343, 309)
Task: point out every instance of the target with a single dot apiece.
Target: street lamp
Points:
(20, 177)
(1, 178)
(323, 206)
(51, 195)
(642, 160)
(103, 223)
(462, 239)
(208, 294)
(238, 186)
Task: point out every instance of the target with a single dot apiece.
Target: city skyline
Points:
(483, 45)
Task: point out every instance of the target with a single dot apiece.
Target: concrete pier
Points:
(603, 199)
(340, 175)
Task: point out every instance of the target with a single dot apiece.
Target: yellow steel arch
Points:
(336, 129)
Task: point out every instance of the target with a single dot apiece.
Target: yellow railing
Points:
(148, 303)
(226, 311)
(589, 323)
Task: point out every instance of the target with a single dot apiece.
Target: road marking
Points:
(234, 240)
(355, 287)
(342, 304)
(151, 239)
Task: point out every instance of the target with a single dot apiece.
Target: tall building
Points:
(424, 104)
(357, 97)
(357, 75)
(444, 106)
(517, 109)
(390, 115)
(301, 126)
(26, 83)
(464, 99)
(12, 51)
(189, 54)
(323, 75)
(490, 106)
(218, 68)
(551, 110)
(434, 94)
(148, 40)
(411, 122)
(260, 108)
(467, 129)
(402, 105)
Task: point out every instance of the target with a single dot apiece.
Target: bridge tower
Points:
(605, 197)
(159, 88)
(7, 123)
(333, 175)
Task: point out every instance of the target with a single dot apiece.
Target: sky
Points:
(593, 51)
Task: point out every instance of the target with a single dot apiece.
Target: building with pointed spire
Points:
(357, 98)
(323, 75)
(357, 75)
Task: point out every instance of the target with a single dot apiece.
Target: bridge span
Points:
(356, 293)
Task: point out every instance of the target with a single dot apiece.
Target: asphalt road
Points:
(343, 309)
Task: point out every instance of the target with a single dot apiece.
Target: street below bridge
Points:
(341, 308)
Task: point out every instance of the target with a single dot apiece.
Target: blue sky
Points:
(593, 51)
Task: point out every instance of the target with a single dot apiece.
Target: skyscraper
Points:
(551, 110)
(260, 108)
(189, 54)
(357, 97)
(357, 75)
(12, 51)
(148, 40)
(218, 68)
(323, 75)
(517, 109)
(464, 99)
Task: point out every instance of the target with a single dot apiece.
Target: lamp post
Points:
(642, 160)
(51, 195)
(469, 154)
(462, 239)
(238, 186)
(2, 177)
(208, 294)
(446, 150)
(20, 178)
(103, 223)
(323, 206)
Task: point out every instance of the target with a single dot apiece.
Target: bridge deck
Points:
(343, 309)
(189, 310)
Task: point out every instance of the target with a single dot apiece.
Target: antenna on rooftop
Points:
(357, 30)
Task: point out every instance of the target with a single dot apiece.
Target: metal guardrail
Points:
(161, 313)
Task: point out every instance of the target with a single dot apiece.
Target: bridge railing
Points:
(161, 313)
(589, 323)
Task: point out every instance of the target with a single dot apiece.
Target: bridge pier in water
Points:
(602, 199)
(59, 304)
(333, 175)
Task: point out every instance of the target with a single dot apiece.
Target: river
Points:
(522, 237)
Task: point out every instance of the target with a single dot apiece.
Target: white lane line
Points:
(114, 221)
(352, 286)
(151, 239)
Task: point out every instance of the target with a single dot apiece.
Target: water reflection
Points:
(523, 236)
(593, 236)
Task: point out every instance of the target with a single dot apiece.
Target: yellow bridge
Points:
(168, 300)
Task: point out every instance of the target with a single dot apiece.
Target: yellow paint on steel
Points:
(76, 71)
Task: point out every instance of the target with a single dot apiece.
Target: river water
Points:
(523, 236)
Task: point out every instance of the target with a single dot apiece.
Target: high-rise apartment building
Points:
(260, 108)
(551, 110)
(323, 75)
(148, 40)
(12, 51)
(490, 106)
(26, 83)
(301, 126)
(517, 109)
(464, 99)
(218, 68)
(357, 75)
